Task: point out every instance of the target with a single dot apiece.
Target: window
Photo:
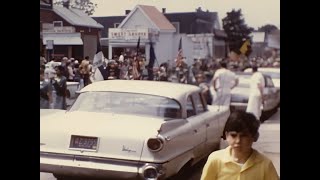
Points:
(177, 26)
(127, 103)
(57, 24)
(116, 25)
(269, 82)
(190, 107)
(198, 103)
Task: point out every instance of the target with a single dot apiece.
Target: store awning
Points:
(63, 38)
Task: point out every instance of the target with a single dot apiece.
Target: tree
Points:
(236, 29)
(267, 28)
(86, 5)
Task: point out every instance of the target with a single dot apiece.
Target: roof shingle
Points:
(76, 17)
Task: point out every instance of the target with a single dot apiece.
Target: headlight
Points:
(155, 144)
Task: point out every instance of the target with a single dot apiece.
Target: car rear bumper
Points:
(70, 165)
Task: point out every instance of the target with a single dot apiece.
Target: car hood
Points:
(119, 136)
(241, 91)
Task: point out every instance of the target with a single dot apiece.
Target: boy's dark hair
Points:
(241, 121)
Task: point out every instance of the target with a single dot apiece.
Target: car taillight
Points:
(155, 144)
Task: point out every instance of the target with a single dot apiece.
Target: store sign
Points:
(63, 29)
(127, 34)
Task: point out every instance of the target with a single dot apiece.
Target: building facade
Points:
(65, 31)
(200, 40)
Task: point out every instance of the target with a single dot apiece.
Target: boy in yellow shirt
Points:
(239, 161)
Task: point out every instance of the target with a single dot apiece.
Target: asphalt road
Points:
(268, 144)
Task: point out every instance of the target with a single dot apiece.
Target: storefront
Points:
(60, 45)
(126, 41)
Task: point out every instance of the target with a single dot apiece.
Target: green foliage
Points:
(85, 5)
(236, 30)
(267, 28)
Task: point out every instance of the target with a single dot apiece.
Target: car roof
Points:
(264, 69)
(158, 88)
(249, 74)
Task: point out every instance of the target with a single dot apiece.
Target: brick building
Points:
(72, 32)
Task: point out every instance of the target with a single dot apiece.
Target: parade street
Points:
(268, 144)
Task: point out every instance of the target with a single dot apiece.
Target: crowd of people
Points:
(215, 76)
(204, 73)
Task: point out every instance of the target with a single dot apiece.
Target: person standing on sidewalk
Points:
(255, 101)
(85, 70)
(223, 82)
(239, 160)
(45, 91)
(59, 83)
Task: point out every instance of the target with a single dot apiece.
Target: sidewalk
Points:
(269, 140)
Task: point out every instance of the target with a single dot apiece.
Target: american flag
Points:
(180, 54)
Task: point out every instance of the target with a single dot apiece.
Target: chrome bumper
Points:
(73, 165)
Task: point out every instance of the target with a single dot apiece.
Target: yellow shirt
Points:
(220, 166)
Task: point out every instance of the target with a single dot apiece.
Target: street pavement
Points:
(269, 140)
(268, 144)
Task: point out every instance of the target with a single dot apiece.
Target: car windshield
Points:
(127, 103)
(244, 81)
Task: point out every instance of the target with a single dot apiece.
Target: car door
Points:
(271, 94)
(213, 126)
(195, 116)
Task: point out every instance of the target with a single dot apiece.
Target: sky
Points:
(255, 12)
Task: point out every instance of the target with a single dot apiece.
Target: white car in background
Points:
(274, 73)
(131, 129)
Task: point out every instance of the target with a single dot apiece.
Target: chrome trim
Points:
(157, 167)
(89, 159)
(67, 164)
(160, 140)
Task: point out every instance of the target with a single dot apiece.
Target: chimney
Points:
(128, 11)
(163, 10)
(66, 3)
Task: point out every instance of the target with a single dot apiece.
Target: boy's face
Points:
(240, 141)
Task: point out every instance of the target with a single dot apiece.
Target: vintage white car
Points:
(274, 73)
(130, 129)
(240, 95)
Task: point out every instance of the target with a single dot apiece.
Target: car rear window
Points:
(127, 103)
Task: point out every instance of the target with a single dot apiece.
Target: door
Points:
(197, 120)
(271, 94)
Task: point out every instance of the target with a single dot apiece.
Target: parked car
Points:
(72, 87)
(131, 129)
(240, 94)
(274, 73)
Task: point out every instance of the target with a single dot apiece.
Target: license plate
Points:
(84, 143)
